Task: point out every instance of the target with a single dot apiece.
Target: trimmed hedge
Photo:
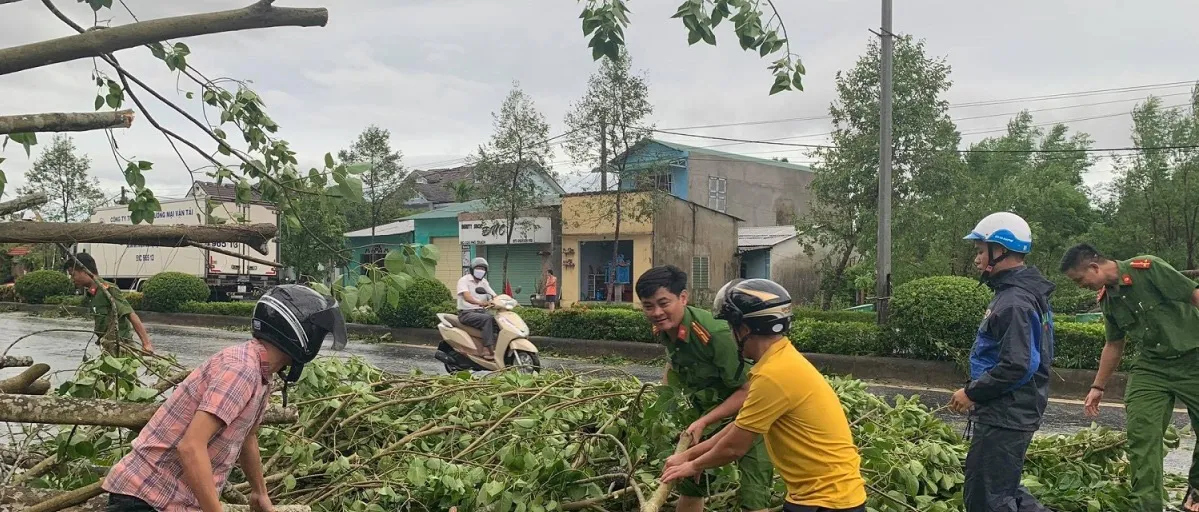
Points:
(937, 317)
(167, 291)
(599, 324)
(865, 317)
(245, 309)
(135, 299)
(35, 286)
(418, 305)
(69, 300)
(844, 338)
(1073, 301)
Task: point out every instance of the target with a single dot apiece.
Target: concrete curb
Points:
(1066, 383)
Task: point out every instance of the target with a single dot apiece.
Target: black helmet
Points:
(760, 304)
(296, 319)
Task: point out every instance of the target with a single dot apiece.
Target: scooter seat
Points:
(471, 331)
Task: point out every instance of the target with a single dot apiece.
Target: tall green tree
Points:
(324, 217)
(1037, 174)
(1153, 205)
(606, 124)
(511, 166)
(384, 187)
(844, 210)
(62, 174)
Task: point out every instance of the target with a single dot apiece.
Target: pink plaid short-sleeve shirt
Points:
(233, 385)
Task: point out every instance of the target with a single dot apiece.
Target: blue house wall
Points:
(655, 157)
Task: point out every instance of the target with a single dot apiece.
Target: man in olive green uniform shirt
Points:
(1147, 302)
(101, 307)
(706, 366)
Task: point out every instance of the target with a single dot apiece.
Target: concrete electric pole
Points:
(883, 268)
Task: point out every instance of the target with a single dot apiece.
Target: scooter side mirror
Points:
(517, 290)
(481, 291)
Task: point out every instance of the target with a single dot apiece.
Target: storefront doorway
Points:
(595, 261)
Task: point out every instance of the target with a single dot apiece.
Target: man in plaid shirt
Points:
(183, 456)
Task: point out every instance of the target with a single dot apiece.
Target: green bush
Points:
(937, 317)
(838, 315)
(167, 291)
(134, 299)
(418, 305)
(600, 324)
(35, 286)
(844, 338)
(1079, 345)
(537, 319)
(245, 309)
(69, 300)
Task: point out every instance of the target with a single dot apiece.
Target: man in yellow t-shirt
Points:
(789, 403)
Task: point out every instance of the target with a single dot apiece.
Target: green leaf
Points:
(328, 160)
(144, 165)
(417, 475)
(190, 95)
(244, 192)
(141, 394)
(320, 288)
(358, 168)
(430, 252)
(782, 82)
(289, 482)
(99, 101)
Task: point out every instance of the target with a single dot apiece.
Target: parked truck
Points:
(229, 277)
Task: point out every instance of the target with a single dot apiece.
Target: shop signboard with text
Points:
(525, 230)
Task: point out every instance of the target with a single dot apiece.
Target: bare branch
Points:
(246, 257)
(1193, 274)
(65, 121)
(23, 203)
(254, 235)
(100, 42)
(2, 2)
(17, 499)
(60, 410)
(16, 361)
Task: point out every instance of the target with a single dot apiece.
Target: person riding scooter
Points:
(472, 309)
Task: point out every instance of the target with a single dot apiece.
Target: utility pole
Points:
(603, 167)
(883, 269)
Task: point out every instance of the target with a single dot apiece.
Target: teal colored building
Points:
(438, 228)
(367, 247)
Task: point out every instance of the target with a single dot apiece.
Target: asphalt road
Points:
(63, 350)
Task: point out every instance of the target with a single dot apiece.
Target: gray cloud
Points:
(433, 71)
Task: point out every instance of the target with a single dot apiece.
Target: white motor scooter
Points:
(462, 348)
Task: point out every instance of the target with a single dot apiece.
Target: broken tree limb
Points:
(68, 499)
(95, 43)
(65, 121)
(246, 257)
(663, 491)
(1193, 274)
(171, 380)
(254, 235)
(17, 498)
(60, 410)
(23, 380)
(15, 361)
(23, 203)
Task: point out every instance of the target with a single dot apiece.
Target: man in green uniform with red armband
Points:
(706, 366)
(1147, 302)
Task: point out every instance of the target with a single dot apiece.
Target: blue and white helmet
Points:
(1006, 229)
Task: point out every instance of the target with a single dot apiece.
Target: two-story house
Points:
(761, 191)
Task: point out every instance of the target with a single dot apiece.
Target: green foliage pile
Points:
(35, 286)
(368, 440)
(168, 291)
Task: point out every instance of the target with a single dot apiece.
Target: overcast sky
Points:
(432, 71)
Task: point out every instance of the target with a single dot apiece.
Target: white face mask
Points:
(479, 273)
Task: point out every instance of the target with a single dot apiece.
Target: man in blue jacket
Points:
(1009, 368)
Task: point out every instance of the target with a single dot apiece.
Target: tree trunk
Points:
(57, 410)
(94, 43)
(838, 275)
(255, 235)
(65, 122)
(23, 203)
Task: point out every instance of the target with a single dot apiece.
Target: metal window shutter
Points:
(449, 261)
(524, 269)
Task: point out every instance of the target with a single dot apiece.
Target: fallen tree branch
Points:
(23, 380)
(60, 410)
(246, 257)
(1193, 274)
(23, 203)
(16, 361)
(65, 121)
(99, 42)
(18, 499)
(663, 490)
(68, 499)
(254, 235)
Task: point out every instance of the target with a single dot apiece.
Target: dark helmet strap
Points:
(740, 350)
(992, 260)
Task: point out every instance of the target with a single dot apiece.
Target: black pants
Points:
(791, 507)
(125, 503)
(481, 320)
(993, 469)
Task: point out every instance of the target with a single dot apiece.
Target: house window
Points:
(657, 181)
(700, 277)
(717, 189)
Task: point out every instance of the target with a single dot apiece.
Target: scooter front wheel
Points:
(526, 361)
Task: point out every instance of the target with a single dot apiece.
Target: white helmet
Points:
(1006, 229)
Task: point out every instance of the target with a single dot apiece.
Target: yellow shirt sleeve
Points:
(764, 404)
